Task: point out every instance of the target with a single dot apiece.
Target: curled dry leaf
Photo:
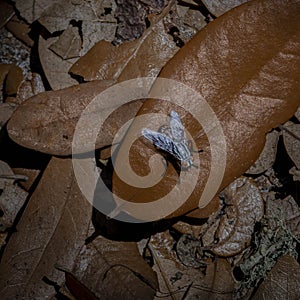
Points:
(51, 231)
(112, 270)
(251, 82)
(288, 210)
(282, 282)
(244, 207)
(291, 138)
(267, 156)
(47, 122)
(215, 282)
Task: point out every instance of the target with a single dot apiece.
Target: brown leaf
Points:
(55, 68)
(51, 231)
(143, 57)
(291, 138)
(282, 282)
(290, 213)
(6, 13)
(68, 44)
(215, 282)
(244, 207)
(219, 7)
(31, 10)
(11, 77)
(20, 30)
(6, 110)
(12, 199)
(114, 270)
(251, 82)
(46, 122)
(267, 156)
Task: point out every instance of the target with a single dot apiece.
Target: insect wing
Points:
(160, 140)
(177, 128)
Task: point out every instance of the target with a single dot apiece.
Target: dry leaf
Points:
(215, 282)
(251, 81)
(11, 77)
(46, 122)
(297, 114)
(6, 13)
(68, 44)
(20, 30)
(289, 210)
(51, 231)
(282, 282)
(267, 156)
(219, 7)
(6, 110)
(113, 270)
(55, 68)
(291, 138)
(244, 208)
(139, 58)
(12, 199)
(31, 10)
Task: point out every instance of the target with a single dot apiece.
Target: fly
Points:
(172, 139)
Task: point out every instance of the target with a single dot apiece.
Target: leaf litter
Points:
(212, 277)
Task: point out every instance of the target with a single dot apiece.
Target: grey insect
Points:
(172, 139)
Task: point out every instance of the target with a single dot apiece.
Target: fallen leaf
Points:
(68, 44)
(244, 208)
(178, 281)
(51, 231)
(31, 10)
(46, 122)
(282, 282)
(289, 210)
(112, 269)
(6, 110)
(20, 30)
(54, 67)
(30, 174)
(297, 114)
(219, 7)
(249, 94)
(13, 80)
(6, 13)
(291, 139)
(12, 199)
(143, 57)
(267, 156)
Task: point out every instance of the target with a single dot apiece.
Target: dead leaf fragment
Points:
(12, 199)
(20, 30)
(51, 231)
(291, 138)
(282, 282)
(250, 94)
(267, 156)
(245, 208)
(219, 7)
(68, 44)
(55, 68)
(6, 13)
(143, 57)
(112, 270)
(6, 110)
